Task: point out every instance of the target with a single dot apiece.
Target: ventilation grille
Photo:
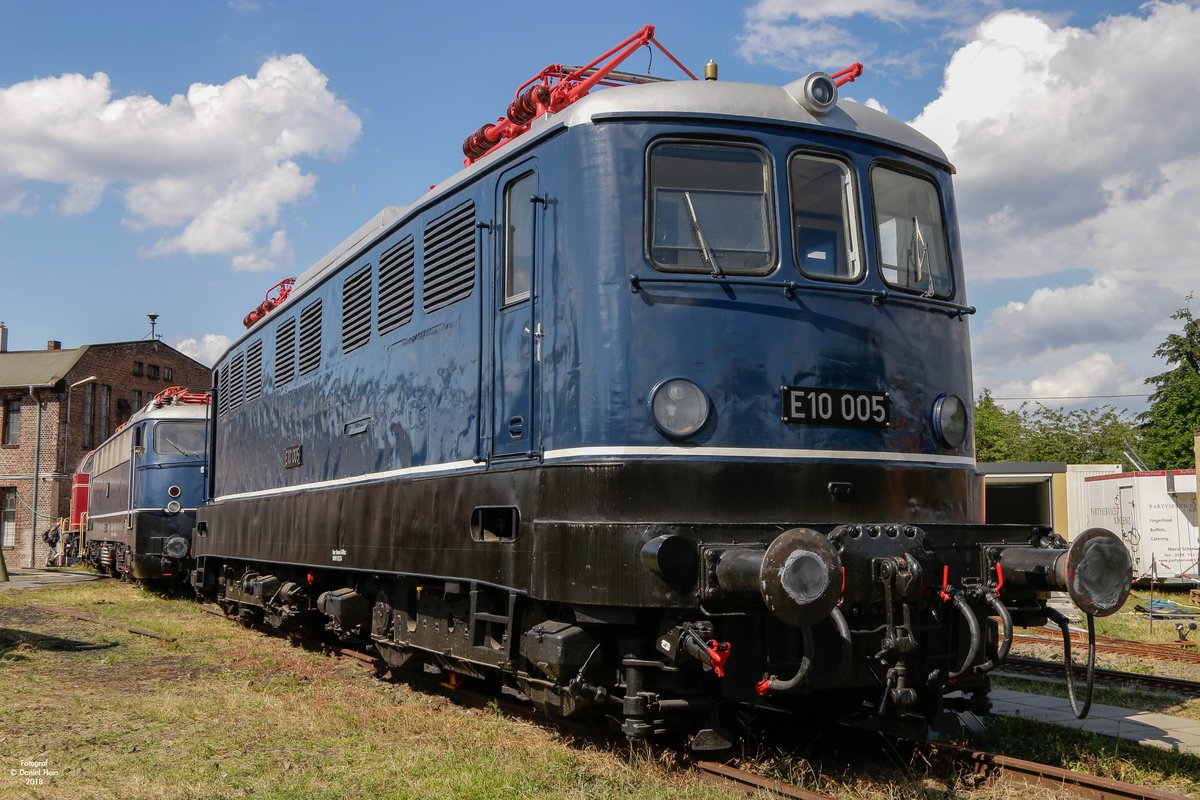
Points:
(285, 352)
(222, 391)
(396, 286)
(254, 376)
(235, 388)
(356, 310)
(449, 250)
(310, 338)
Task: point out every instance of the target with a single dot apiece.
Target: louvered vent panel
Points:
(223, 390)
(449, 257)
(396, 286)
(237, 380)
(285, 352)
(356, 310)
(254, 376)
(310, 338)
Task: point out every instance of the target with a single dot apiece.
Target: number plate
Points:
(814, 406)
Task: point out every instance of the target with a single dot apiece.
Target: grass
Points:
(1133, 626)
(1096, 755)
(1160, 702)
(223, 712)
(229, 713)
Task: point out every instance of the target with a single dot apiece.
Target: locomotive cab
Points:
(147, 481)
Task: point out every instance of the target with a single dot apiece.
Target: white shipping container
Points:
(1077, 500)
(1155, 514)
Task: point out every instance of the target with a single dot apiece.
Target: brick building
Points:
(55, 406)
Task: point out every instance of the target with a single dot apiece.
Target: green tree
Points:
(998, 434)
(1083, 436)
(1169, 425)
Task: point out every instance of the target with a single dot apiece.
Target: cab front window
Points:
(911, 236)
(823, 218)
(179, 438)
(710, 209)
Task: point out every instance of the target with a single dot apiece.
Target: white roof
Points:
(702, 99)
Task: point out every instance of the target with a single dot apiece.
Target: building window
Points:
(137, 368)
(8, 517)
(12, 422)
(152, 370)
(168, 374)
(89, 416)
(105, 416)
(137, 399)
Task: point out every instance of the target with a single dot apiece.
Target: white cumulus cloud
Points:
(214, 165)
(1078, 158)
(1075, 377)
(207, 349)
(1076, 149)
(804, 34)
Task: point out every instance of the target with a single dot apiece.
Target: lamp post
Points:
(67, 434)
(37, 463)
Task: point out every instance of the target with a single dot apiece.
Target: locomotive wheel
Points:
(125, 570)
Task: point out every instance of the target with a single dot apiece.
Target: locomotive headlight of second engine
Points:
(950, 419)
(678, 407)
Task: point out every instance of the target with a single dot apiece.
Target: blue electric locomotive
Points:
(656, 406)
(147, 480)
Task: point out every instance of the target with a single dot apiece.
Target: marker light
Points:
(679, 407)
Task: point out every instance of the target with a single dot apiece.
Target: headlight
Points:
(173, 507)
(679, 407)
(950, 419)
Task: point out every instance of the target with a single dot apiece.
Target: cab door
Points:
(137, 451)
(517, 342)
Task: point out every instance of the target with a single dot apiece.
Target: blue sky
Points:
(183, 157)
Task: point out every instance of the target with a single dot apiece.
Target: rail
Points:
(1164, 652)
(1018, 772)
(1022, 665)
(749, 780)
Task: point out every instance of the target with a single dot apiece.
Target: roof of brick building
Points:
(37, 367)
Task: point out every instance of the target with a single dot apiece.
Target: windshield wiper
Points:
(709, 258)
(167, 439)
(918, 251)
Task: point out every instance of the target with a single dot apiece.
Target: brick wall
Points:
(64, 442)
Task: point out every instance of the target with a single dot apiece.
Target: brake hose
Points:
(1006, 634)
(773, 684)
(964, 608)
(1064, 624)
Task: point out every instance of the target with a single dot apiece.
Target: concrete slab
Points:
(37, 578)
(1144, 727)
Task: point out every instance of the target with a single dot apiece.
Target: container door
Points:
(1127, 522)
(518, 328)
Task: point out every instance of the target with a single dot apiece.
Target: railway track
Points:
(1036, 666)
(985, 767)
(1183, 652)
(1016, 772)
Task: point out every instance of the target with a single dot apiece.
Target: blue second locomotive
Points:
(658, 405)
(147, 480)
